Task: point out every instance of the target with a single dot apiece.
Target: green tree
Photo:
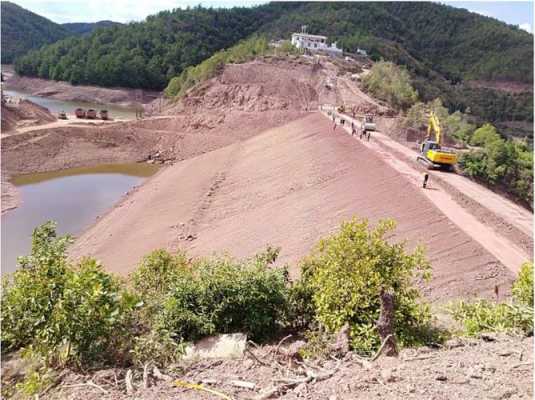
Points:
(346, 273)
(391, 83)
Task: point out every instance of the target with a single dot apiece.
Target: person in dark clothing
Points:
(426, 178)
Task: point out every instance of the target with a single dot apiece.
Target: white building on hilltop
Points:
(314, 43)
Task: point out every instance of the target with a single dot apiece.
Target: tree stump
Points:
(385, 323)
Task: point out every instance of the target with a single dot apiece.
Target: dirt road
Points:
(287, 187)
(504, 249)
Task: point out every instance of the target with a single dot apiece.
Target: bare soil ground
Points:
(65, 91)
(239, 190)
(465, 369)
(287, 187)
(24, 114)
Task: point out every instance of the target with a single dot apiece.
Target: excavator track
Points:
(434, 166)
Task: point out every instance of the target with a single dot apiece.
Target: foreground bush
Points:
(346, 273)
(523, 286)
(515, 316)
(30, 295)
(67, 315)
(223, 295)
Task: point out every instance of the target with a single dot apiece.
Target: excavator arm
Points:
(434, 126)
(432, 153)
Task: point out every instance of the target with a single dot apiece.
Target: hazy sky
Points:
(513, 12)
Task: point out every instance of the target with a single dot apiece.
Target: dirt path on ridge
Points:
(505, 250)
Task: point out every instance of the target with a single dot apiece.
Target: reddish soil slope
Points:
(287, 187)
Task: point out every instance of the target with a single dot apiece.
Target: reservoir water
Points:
(73, 198)
(56, 106)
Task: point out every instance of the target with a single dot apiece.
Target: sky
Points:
(513, 12)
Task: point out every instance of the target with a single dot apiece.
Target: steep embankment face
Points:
(244, 101)
(287, 187)
(24, 113)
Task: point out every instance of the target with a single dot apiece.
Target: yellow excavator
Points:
(432, 154)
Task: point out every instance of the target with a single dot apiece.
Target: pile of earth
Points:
(24, 113)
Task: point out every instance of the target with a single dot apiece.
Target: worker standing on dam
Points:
(426, 178)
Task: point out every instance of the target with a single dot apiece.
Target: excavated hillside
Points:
(242, 102)
(24, 113)
(254, 163)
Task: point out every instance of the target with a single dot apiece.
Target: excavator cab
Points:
(432, 154)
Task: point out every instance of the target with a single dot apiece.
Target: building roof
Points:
(310, 36)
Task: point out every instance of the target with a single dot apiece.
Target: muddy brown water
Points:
(72, 197)
(55, 106)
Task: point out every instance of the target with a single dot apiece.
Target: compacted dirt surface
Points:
(255, 163)
(287, 187)
(24, 114)
(463, 369)
(250, 162)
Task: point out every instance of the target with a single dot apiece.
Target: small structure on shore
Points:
(91, 114)
(79, 112)
(104, 114)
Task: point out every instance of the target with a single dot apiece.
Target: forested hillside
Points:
(147, 54)
(441, 46)
(84, 28)
(22, 30)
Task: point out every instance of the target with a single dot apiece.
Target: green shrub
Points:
(91, 320)
(512, 317)
(507, 164)
(156, 274)
(392, 83)
(157, 347)
(224, 295)
(31, 293)
(485, 316)
(64, 314)
(485, 135)
(35, 382)
(346, 273)
(523, 286)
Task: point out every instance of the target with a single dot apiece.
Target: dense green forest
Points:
(85, 28)
(147, 54)
(440, 46)
(23, 30)
(425, 36)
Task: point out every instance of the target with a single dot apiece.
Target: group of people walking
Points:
(363, 133)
